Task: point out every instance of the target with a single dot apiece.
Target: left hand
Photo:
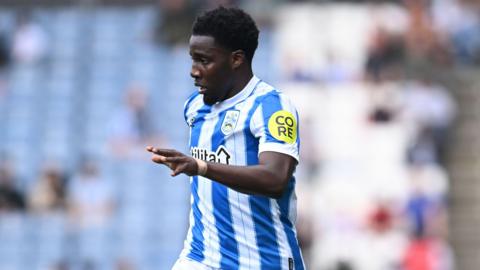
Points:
(176, 161)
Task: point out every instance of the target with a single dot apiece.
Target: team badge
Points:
(283, 126)
(230, 121)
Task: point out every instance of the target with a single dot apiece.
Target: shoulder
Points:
(190, 99)
(193, 102)
(263, 91)
(269, 96)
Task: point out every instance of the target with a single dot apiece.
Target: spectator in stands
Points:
(384, 102)
(432, 109)
(428, 253)
(175, 18)
(30, 41)
(124, 264)
(49, 191)
(90, 198)
(384, 241)
(459, 21)
(429, 187)
(4, 63)
(174, 21)
(11, 199)
(131, 126)
(424, 43)
(4, 52)
(210, 4)
(426, 211)
(385, 53)
(91, 207)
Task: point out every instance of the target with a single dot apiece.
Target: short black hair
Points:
(231, 28)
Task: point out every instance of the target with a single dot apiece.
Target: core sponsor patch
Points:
(283, 126)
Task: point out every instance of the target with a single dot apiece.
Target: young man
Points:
(244, 148)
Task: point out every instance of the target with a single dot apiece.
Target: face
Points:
(212, 69)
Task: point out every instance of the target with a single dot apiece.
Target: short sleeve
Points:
(186, 108)
(275, 124)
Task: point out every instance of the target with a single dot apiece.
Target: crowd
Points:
(381, 126)
(74, 203)
(374, 146)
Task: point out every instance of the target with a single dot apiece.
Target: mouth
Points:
(201, 89)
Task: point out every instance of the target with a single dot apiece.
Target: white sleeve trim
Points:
(288, 149)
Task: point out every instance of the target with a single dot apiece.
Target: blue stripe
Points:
(288, 227)
(270, 104)
(197, 247)
(265, 233)
(222, 212)
(260, 205)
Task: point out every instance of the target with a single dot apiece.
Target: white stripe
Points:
(210, 233)
(292, 212)
(257, 125)
(243, 225)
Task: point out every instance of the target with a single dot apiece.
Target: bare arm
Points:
(268, 178)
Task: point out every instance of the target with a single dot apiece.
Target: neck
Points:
(239, 83)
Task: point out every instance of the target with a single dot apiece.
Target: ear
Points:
(238, 58)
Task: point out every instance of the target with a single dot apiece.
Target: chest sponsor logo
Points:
(220, 156)
(283, 126)
(230, 121)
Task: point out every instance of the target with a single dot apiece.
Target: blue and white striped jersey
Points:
(229, 229)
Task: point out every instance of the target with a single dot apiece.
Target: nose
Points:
(194, 72)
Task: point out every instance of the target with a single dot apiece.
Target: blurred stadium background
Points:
(388, 94)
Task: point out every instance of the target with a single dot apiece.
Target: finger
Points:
(179, 170)
(159, 159)
(152, 149)
(165, 152)
(174, 159)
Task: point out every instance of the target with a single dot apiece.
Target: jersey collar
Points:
(243, 94)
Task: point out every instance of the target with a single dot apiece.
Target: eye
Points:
(200, 59)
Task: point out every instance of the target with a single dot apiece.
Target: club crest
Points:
(230, 121)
